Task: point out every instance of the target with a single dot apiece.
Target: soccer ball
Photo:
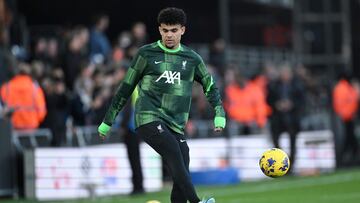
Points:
(274, 163)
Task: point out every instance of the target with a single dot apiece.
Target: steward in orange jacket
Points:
(246, 103)
(346, 100)
(345, 103)
(26, 98)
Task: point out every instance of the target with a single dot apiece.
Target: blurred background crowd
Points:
(280, 65)
(70, 64)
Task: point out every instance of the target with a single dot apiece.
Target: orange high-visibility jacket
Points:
(27, 99)
(261, 81)
(345, 99)
(246, 105)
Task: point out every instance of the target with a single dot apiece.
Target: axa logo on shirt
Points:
(170, 76)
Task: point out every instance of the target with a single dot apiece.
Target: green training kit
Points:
(165, 78)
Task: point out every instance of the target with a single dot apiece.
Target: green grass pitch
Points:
(339, 187)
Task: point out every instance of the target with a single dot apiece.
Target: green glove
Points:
(103, 129)
(219, 122)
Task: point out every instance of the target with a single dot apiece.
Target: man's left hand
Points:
(219, 123)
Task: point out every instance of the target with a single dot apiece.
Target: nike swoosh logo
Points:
(182, 140)
(157, 62)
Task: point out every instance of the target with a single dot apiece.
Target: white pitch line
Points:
(332, 198)
(301, 183)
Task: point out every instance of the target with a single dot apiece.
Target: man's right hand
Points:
(103, 129)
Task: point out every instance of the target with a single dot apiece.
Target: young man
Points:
(164, 72)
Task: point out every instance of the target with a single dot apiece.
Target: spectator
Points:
(285, 97)
(100, 47)
(53, 52)
(100, 102)
(40, 49)
(124, 39)
(58, 107)
(26, 98)
(139, 35)
(75, 55)
(124, 42)
(346, 99)
(82, 98)
(245, 103)
(7, 60)
(39, 70)
(217, 55)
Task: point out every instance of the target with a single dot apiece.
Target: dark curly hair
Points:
(172, 16)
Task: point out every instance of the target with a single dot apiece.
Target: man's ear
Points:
(183, 28)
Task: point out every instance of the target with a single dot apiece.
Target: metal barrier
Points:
(27, 139)
(87, 135)
(82, 136)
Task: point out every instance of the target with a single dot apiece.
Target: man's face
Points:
(171, 34)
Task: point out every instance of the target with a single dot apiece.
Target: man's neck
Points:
(173, 50)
